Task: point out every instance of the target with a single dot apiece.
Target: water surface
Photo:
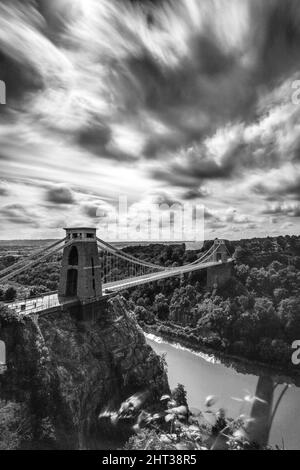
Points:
(204, 376)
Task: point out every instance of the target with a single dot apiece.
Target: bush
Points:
(179, 395)
(10, 294)
(8, 315)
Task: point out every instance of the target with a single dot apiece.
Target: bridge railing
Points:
(40, 296)
(31, 305)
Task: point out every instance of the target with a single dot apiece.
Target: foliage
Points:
(15, 426)
(10, 294)
(255, 315)
(180, 396)
(178, 428)
(8, 315)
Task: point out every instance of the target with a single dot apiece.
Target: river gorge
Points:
(204, 375)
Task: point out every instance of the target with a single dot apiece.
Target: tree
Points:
(268, 324)
(10, 294)
(144, 315)
(247, 327)
(161, 307)
(179, 394)
(280, 294)
(288, 312)
(242, 272)
(218, 317)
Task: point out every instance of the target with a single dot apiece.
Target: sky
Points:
(164, 102)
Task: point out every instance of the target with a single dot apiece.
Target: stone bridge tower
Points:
(221, 272)
(80, 274)
(221, 254)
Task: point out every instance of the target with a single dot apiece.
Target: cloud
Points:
(216, 225)
(163, 198)
(283, 183)
(4, 189)
(19, 214)
(94, 210)
(60, 195)
(195, 193)
(289, 209)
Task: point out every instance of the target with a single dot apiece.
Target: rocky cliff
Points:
(62, 373)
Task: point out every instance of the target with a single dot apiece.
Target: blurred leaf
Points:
(195, 412)
(165, 397)
(210, 401)
(169, 418)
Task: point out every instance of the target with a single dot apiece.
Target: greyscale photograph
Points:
(149, 228)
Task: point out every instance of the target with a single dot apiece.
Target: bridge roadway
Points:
(51, 300)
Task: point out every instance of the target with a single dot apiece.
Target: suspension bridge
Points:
(92, 269)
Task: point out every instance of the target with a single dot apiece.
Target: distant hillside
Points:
(23, 243)
(121, 244)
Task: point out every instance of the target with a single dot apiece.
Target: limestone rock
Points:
(62, 373)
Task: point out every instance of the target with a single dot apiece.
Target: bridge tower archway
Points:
(220, 251)
(72, 283)
(73, 256)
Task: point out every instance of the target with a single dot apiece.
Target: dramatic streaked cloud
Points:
(18, 214)
(173, 101)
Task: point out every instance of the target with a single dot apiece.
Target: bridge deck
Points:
(52, 300)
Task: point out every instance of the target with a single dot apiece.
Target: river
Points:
(203, 376)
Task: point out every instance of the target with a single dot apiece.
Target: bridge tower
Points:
(221, 272)
(80, 274)
(221, 254)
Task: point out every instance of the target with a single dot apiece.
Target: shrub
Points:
(8, 315)
(10, 294)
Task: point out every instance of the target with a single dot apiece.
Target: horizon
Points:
(150, 242)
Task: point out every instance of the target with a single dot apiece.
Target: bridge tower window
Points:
(73, 256)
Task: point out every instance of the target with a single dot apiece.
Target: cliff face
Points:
(62, 373)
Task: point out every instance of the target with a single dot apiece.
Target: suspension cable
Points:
(33, 255)
(127, 257)
(33, 263)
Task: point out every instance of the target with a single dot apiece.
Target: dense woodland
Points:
(255, 315)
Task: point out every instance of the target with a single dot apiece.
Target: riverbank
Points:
(240, 364)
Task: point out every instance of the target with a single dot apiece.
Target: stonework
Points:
(221, 255)
(218, 275)
(80, 274)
